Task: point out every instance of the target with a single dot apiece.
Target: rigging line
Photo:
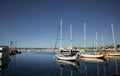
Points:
(118, 32)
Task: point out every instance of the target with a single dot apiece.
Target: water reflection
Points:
(4, 64)
(69, 66)
(43, 64)
(94, 60)
(116, 62)
(102, 67)
(90, 67)
(116, 69)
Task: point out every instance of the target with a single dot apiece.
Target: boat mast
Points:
(96, 40)
(61, 34)
(102, 42)
(70, 36)
(84, 35)
(113, 35)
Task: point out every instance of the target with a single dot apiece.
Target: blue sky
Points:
(34, 23)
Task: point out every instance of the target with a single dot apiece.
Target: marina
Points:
(44, 63)
(60, 38)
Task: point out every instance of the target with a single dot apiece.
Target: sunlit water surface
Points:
(43, 63)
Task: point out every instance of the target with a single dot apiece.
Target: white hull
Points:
(0, 55)
(114, 54)
(112, 57)
(64, 57)
(92, 56)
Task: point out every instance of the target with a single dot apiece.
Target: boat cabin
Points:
(4, 52)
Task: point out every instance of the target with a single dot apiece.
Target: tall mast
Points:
(85, 35)
(61, 34)
(96, 40)
(113, 35)
(70, 36)
(102, 42)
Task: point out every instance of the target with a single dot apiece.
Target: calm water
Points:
(37, 63)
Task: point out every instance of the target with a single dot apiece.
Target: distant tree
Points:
(75, 47)
(118, 46)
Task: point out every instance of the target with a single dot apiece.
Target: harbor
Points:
(60, 38)
(44, 63)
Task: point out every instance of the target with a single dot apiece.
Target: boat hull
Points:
(63, 57)
(0, 55)
(114, 54)
(91, 56)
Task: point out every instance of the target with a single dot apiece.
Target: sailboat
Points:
(114, 52)
(68, 55)
(90, 53)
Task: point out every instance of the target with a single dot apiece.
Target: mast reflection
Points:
(4, 63)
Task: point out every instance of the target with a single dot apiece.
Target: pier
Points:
(31, 49)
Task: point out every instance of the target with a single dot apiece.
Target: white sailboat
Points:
(67, 56)
(114, 52)
(90, 53)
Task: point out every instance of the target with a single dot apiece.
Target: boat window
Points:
(5, 49)
(1, 48)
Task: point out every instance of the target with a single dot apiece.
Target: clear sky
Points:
(34, 23)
